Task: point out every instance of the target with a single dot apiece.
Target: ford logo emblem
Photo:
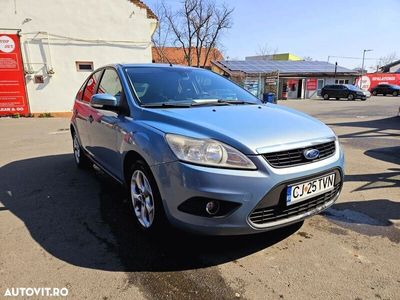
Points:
(311, 154)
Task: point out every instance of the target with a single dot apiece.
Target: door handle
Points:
(90, 119)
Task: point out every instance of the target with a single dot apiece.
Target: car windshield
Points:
(174, 86)
(353, 87)
(393, 86)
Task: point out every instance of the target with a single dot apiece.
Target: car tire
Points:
(350, 97)
(326, 97)
(337, 98)
(384, 94)
(80, 157)
(395, 94)
(374, 93)
(146, 204)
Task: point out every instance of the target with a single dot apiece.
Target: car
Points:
(367, 94)
(349, 91)
(197, 151)
(386, 89)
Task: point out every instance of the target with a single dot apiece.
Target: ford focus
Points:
(199, 152)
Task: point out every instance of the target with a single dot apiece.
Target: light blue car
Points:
(201, 153)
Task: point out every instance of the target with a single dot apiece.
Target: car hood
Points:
(252, 129)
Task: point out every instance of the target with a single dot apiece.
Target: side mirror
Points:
(105, 101)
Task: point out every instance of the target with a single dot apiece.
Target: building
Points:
(176, 55)
(49, 47)
(287, 79)
(393, 67)
(277, 56)
(389, 74)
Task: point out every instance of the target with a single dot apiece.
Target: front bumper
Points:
(179, 182)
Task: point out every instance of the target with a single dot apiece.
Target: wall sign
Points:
(13, 98)
(311, 84)
(252, 85)
(371, 80)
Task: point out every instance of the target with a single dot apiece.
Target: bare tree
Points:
(307, 58)
(162, 35)
(197, 27)
(387, 59)
(265, 50)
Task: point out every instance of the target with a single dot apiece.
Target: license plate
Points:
(308, 189)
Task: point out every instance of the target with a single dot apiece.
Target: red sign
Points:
(13, 98)
(311, 84)
(369, 81)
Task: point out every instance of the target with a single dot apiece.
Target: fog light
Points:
(212, 207)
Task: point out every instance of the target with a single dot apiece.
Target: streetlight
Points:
(362, 66)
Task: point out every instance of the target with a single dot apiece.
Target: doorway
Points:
(299, 88)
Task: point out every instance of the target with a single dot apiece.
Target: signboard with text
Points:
(13, 98)
(311, 84)
(252, 85)
(371, 80)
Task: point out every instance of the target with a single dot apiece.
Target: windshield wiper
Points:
(166, 105)
(199, 102)
(235, 102)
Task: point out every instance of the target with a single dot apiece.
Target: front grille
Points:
(296, 157)
(276, 213)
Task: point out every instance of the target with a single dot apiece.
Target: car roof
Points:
(153, 65)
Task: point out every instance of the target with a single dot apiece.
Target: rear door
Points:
(343, 91)
(384, 89)
(103, 129)
(82, 108)
(334, 91)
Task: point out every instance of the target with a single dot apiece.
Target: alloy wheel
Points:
(77, 150)
(142, 199)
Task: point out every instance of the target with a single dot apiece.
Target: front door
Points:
(83, 110)
(103, 128)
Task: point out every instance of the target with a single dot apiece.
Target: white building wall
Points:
(57, 33)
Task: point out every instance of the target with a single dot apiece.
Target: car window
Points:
(110, 84)
(91, 85)
(161, 85)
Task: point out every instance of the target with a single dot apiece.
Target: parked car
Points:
(349, 91)
(386, 89)
(367, 94)
(198, 151)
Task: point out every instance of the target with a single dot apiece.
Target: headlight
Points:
(208, 152)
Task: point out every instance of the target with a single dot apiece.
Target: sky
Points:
(317, 29)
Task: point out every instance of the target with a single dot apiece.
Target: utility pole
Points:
(335, 70)
(362, 66)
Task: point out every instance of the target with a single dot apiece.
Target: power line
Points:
(350, 57)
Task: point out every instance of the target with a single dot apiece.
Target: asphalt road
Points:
(62, 227)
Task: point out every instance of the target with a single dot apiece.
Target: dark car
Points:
(386, 89)
(338, 91)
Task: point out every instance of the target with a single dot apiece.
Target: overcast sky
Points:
(314, 28)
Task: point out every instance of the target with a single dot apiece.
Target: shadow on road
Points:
(372, 217)
(388, 154)
(374, 128)
(378, 212)
(83, 218)
(390, 179)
